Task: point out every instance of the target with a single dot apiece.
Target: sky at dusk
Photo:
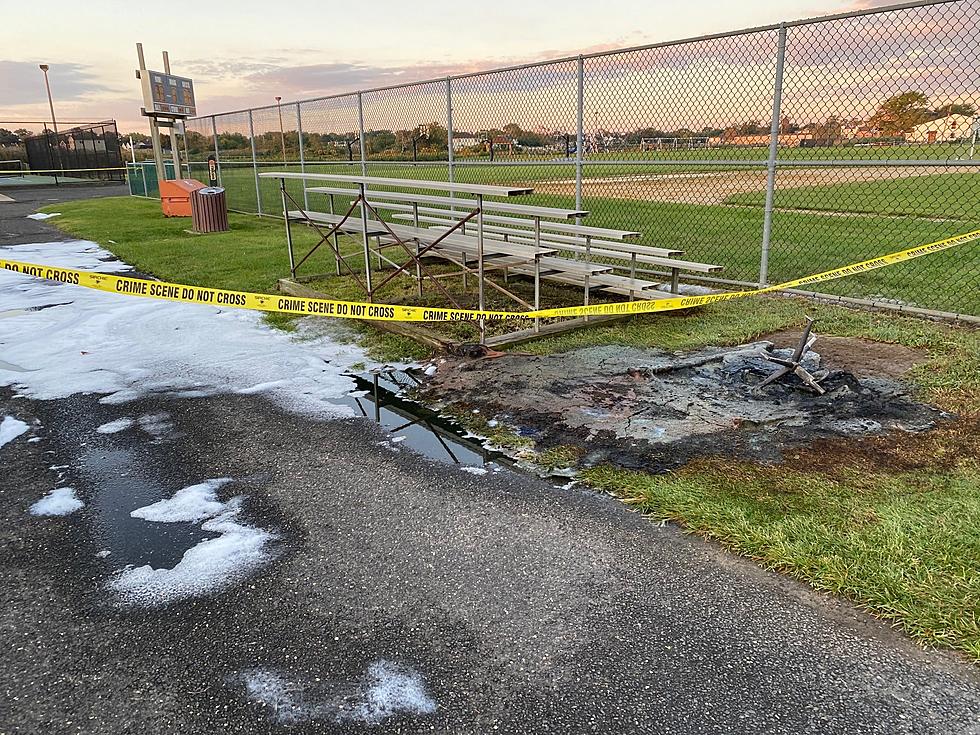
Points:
(243, 54)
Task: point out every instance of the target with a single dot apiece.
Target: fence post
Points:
(449, 125)
(579, 134)
(449, 134)
(255, 165)
(360, 125)
(187, 155)
(302, 156)
(777, 103)
(217, 158)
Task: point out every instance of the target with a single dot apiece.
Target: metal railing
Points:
(775, 151)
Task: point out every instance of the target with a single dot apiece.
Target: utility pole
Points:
(282, 134)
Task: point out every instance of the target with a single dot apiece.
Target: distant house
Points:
(860, 129)
(465, 140)
(943, 130)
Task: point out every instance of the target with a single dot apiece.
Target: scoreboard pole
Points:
(154, 128)
(174, 148)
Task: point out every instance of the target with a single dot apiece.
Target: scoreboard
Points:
(166, 94)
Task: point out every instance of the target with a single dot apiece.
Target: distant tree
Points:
(378, 141)
(403, 139)
(639, 134)
(230, 141)
(195, 142)
(532, 139)
(437, 137)
(830, 130)
(955, 108)
(23, 134)
(901, 112)
(8, 137)
(512, 131)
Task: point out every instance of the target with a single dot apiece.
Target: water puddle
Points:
(381, 397)
(124, 484)
(126, 477)
(123, 472)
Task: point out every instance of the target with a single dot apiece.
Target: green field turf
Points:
(954, 195)
(933, 152)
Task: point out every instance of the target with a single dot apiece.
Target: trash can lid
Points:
(212, 190)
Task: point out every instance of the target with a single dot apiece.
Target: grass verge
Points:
(903, 543)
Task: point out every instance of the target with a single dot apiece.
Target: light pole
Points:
(282, 134)
(47, 86)
(54, 121)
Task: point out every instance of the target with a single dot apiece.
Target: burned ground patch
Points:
(655, 410)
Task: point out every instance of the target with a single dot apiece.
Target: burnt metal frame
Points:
(793, 364)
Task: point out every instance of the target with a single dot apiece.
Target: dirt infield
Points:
(708, 187)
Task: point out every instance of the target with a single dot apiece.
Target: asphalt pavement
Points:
(15, 228)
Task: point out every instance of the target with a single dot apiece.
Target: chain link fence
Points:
(32, 153)
(775, 152)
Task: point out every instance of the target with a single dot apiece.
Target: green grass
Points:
(904, 545)
(238, 177)
(755, 154)
(953, 195)
(251, 257)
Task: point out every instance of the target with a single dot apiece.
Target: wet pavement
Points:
(521, 607)
(396, 590)
(384, 397)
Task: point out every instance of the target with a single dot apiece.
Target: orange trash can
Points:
(175, 196)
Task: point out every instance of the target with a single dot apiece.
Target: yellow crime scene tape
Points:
(393, 312)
